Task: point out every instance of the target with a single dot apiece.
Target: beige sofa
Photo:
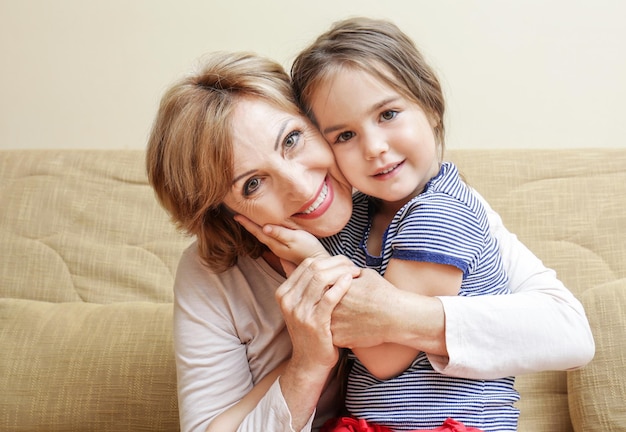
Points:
(88, 259)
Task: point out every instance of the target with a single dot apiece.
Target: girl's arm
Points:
(387, 360)
(539, 326)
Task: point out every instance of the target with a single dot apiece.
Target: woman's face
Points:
(284, 172)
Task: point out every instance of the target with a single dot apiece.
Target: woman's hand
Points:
(307, 299)
(374, 311)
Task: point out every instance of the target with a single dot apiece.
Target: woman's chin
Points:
(330, 227)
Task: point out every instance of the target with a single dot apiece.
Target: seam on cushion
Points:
(67, 267)
(154, 255)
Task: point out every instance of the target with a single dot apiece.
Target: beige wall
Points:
(534, 73)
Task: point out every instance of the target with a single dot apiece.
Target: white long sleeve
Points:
(542, 327)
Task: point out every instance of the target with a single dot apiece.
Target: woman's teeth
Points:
(319, 200)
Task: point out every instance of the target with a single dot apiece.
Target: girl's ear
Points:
(435, 123)
(434, 120)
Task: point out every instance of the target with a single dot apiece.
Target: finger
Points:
(333, 295)
(292, 281)
(311, 278)
(279, 233)
(259, 232)
(250, 226)
(323, 273)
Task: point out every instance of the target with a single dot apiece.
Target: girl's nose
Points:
(374, 145)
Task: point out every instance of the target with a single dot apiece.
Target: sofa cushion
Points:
(84, 225)
(89, 367)
(597, 392)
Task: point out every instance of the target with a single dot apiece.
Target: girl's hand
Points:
(290, 245)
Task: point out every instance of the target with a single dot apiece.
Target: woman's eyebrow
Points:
(283, 126)
(280, 134)
(239, 177)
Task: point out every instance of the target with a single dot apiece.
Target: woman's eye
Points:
(292, 139)
(388, 115)
(345, 136)
(251, 186)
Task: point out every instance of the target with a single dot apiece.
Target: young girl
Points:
(379, 105)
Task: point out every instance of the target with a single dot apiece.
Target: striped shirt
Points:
(445, 224)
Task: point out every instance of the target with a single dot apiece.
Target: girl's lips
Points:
(318, 206)
(387, 171)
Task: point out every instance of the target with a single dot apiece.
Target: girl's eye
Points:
(345, 136)
(388, 115)
(251, 186)
(292, 139)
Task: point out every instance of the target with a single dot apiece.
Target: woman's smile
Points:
(318, 205)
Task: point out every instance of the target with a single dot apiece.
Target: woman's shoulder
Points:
(192, 271)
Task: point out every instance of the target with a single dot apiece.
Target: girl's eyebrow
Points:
(333, 128)
(374, 108)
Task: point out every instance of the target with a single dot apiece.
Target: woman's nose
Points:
(295, 183)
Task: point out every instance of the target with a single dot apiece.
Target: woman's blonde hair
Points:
(190, 156)
(367, 44)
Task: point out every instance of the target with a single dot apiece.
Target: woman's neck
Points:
(274, 262)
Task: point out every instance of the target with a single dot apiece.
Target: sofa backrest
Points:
(569, 208)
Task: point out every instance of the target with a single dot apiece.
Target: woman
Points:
(233, 128)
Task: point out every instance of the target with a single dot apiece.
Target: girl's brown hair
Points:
(189, 157)
(378, 47)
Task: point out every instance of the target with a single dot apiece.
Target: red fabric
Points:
(350, 424)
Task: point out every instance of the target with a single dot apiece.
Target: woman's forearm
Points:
(514, 334)
(231, 419)
(419, 323)
(374, 312)
(302, 389)
(540, 326)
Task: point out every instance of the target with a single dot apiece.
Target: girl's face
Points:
(284, 172)
(383, 142)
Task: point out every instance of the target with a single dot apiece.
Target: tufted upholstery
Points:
(87, 268)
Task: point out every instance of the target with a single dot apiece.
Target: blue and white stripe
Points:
(445, 224)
